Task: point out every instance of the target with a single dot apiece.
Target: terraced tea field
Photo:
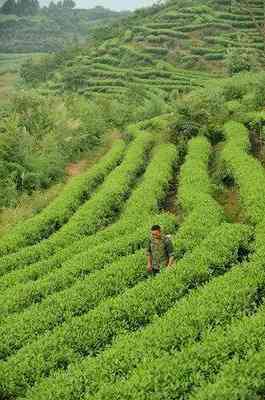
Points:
(80, 316)
(107, 74)
(173, 50)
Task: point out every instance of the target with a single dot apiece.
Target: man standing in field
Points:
(160, 252)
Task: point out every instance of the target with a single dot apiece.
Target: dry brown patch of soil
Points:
(74, 169)
(230, 201)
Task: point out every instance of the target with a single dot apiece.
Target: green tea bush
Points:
(207, 369)
(38, 270)
(21, 296)
(147, 197)
(61, 209)
(160, 51)
(238, 61)
(107, 201)
(120, 313)
(246, 171)
(215, 303)
(201, 211)
(214, 56)
(96, 271)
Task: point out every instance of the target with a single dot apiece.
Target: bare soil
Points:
(74, 169)
(229, 199)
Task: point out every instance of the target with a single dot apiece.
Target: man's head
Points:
(156, 231)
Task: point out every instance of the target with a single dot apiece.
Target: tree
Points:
(236, 61)
(52, 6)
(30, 7)
(21, 7)
(69, 4)
(9, 7)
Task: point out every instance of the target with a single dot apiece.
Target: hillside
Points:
(81, 318)
(166, 49)
(175, 129)
(51, 29)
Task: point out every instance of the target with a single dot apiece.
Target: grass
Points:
(9, 68)
(11, 62)
(27, 206)
(7, 82)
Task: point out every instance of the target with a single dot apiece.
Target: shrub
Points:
(237, 61)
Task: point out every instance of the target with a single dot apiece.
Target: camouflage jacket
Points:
(160, 250)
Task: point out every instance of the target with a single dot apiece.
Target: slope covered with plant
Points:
(80, 317)
(77, 318)
(51, 28)
(165, 49)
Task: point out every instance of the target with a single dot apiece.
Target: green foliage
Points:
(79, 319)
(62, 4)
(61, 209)
(125, 313)
(206, 109)
(39, 135)
(217, 303)
(237, 61)
(201, 211)
(20, 7)
(201, 110)
(39, 69)
(148, 198)
(236, 375)
(100, 209)
(103, 277)
(50, 29)
(105, 204)
(85, 263)
(246, 171)
(207, 369)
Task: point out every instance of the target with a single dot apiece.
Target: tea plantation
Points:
(80, 316)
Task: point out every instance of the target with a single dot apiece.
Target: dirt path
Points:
(257, 146)
(74, 169)
(170, 204)
(227, 194)
(77, 168)
(230, 201)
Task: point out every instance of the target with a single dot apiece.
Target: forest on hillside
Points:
(25, 27)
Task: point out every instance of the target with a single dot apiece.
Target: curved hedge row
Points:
(21, 296)
(242, 379)
(218, 359)
(60, 210)
(246, 339)
(203, 213)
(145, 201)
(232, 361)
(86, 292)
(175, 329)
(246, 170)
(232, 351)
(103, 206)
(141, 206)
